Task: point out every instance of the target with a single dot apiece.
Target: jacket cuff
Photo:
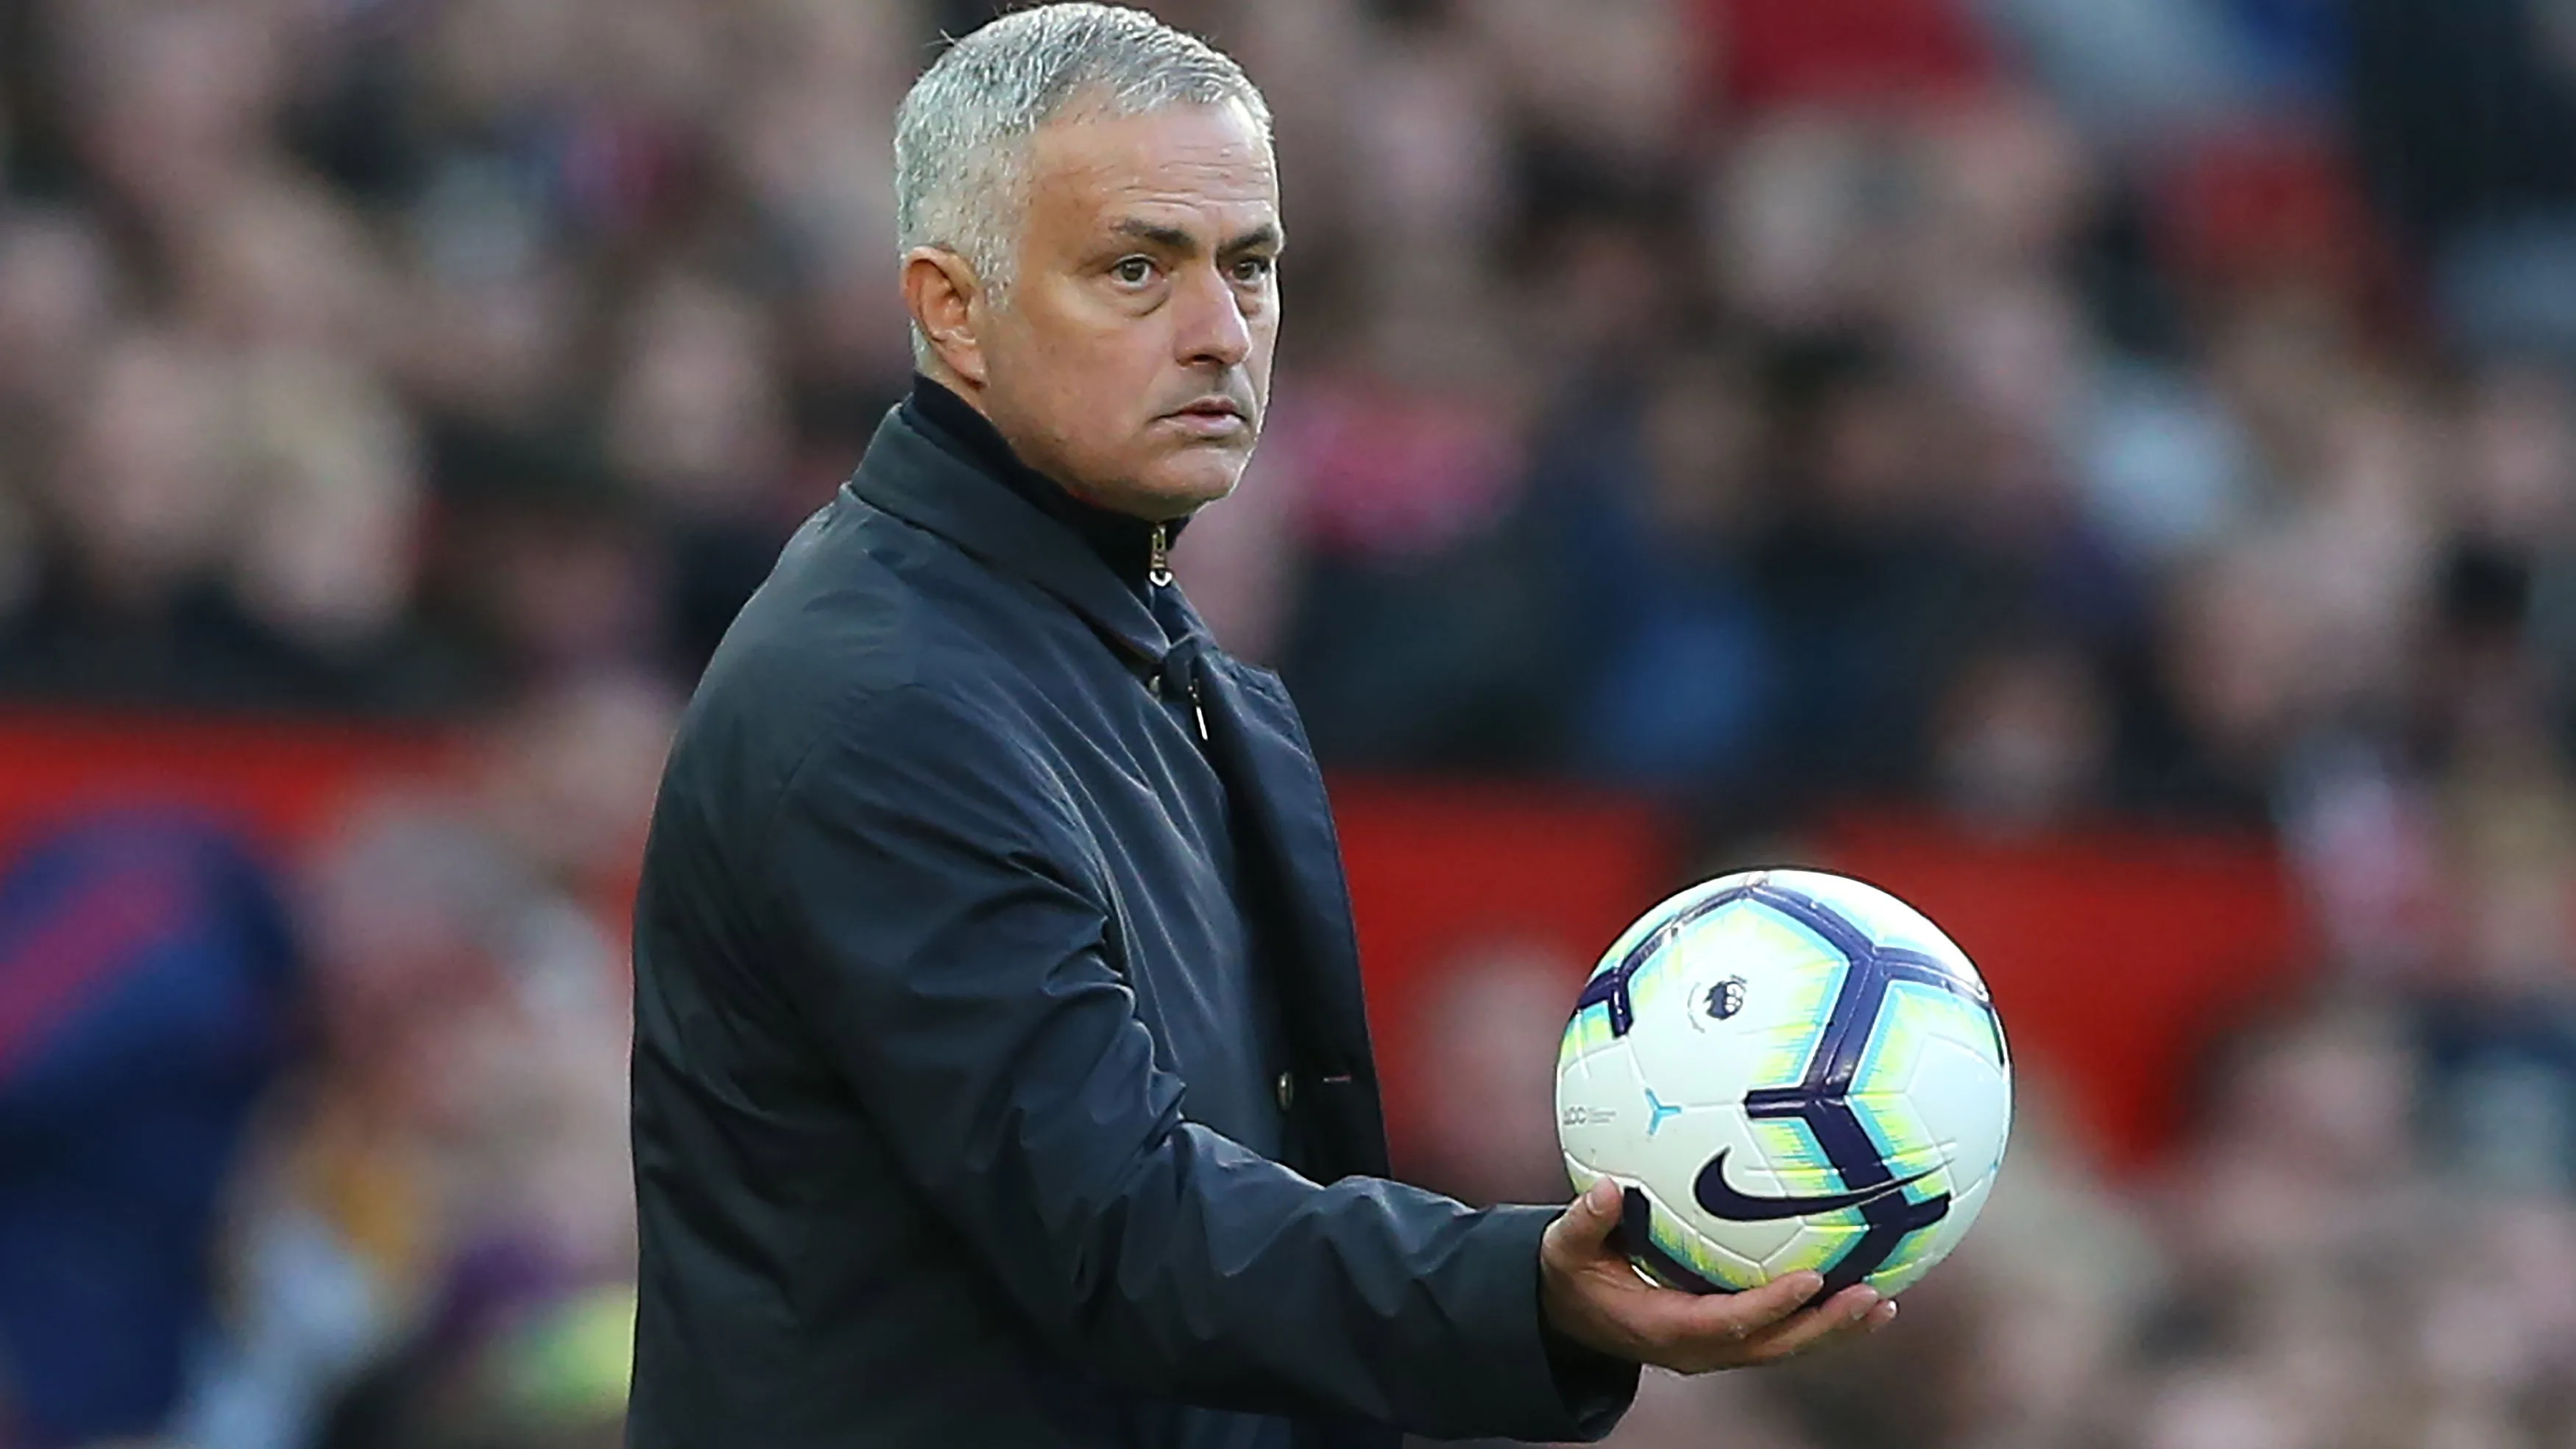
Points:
(1553, 1388)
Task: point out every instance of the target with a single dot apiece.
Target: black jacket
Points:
(994, 1030)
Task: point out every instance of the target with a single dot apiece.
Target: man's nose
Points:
(1213, 326)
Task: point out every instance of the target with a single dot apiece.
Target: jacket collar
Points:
(946, 418)
(910, 475)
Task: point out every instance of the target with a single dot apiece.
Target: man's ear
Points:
(944, 296)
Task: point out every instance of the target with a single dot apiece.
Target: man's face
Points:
(1130, 360)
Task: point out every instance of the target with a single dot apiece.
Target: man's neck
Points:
(1125, 543)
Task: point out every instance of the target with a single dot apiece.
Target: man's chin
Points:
(1191, 483)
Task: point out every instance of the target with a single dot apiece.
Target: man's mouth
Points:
(1213, 417)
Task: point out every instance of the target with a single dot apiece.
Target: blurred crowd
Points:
(2035, 411)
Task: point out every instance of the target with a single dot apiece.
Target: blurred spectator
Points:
(148, 994)
(331, 533)
(453, 1160)
(2023, 742)
(1869, 579)
(138, 498)
(1430, 632)
(1661, 503)
(697, 421)
(2493, 218)
(56, 294)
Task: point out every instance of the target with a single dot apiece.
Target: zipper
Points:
(1158, 572)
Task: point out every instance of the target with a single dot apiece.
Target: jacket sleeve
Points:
(944, 923)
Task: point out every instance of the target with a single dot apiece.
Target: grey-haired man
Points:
(1001, 1077)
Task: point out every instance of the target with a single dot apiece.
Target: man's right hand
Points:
(1593, 1295)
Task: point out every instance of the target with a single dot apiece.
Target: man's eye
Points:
(1134, 271)
(1255, 269)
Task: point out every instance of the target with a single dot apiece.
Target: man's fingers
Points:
(1619, 1313)
(1588, 1220)
(1855, 1310)
(1739, 1316)
(1773, 1302)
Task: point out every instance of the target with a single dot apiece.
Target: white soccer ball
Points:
(1786, 1070)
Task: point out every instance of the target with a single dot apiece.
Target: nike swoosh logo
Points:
(1720, 1198)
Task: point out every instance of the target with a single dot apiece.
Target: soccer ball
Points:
(1786, 1070)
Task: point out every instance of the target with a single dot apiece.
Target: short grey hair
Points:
(961, 137)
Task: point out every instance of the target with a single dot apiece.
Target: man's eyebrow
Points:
(1170, 238)
(1265, 237)
(1178, 239)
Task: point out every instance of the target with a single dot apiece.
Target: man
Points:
(997, 1010)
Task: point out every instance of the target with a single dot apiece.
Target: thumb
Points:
(1590, 1219)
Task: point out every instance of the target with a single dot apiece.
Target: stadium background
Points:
(2102, 468)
